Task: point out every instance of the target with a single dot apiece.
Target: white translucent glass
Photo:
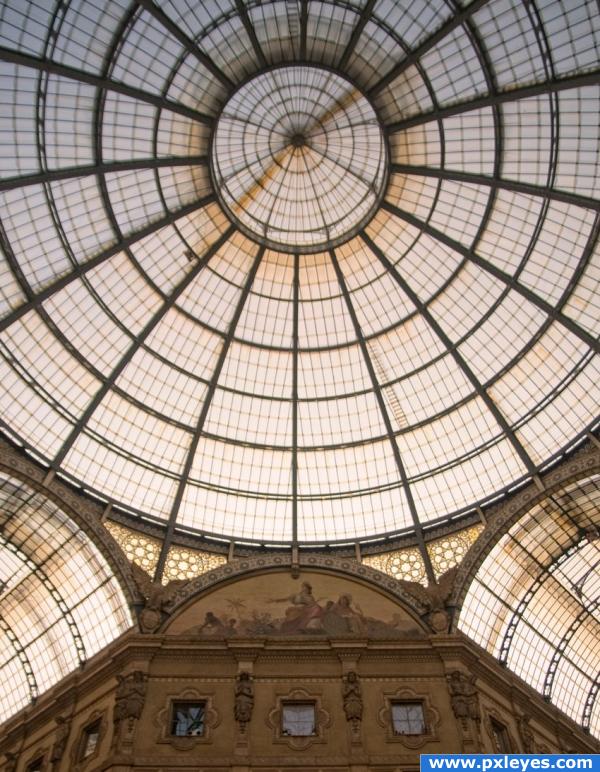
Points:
(299, 241)
(60, 604)
(535, 596)
(298, 157)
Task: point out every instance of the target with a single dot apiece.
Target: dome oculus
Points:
(299, 158)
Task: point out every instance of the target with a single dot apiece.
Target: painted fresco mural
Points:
(278, 605)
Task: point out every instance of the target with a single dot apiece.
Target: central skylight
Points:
(298, 158)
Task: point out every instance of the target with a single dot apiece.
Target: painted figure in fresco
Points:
(212, 625)
(354, 620)
(305, 615)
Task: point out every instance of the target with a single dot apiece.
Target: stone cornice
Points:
(141, 650)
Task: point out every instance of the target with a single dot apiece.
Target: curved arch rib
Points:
(107, 84)
(452, 350)
(553, 311)
(34, 299)
(135, 346)
(386, 418)
(515, 186)
(204, 413)
(490, 100)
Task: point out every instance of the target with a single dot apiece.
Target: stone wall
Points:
(253, 649)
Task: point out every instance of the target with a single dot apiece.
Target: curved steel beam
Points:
(106, 84)
(183, 480)
(107, 167)
(551, 310)
(377, 390)
(136, 344)
(34, 299)
(176, 31)
(515, 186)
(413, 57)
(56, 595)
(22, 657)
(454, 353)
(490, 100)
(562, 645)
(363, 18)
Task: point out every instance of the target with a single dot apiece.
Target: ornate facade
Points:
(257, 669)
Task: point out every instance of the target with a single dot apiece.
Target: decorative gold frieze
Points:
(449, 551)
(407, 564)
(181, 563)
(139, 548)
(404, 564)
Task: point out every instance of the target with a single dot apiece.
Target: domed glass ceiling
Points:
(298, 158)
(379, 320)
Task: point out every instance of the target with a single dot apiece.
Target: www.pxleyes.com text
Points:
(515, 762)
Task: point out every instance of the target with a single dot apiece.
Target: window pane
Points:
(298, 720)
(91, 735)
(188, 719)
(408, 718)
(500, 737)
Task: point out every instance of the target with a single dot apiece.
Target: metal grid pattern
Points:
(155, 353)
(59, 600)
(299, 158)
(535, 601)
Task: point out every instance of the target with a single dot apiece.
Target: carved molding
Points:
(525, 733)
(10, 761)
(88, 515)
(78, 764)
(322, 719)
(211, 719)
(490, 713)
(61, 739)
(39, 753)
(244, 700)
(464, 695)
(130, 697)
(352, 699)
(430, 714)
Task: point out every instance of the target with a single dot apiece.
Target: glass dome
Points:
(393, 325)
(298, 158)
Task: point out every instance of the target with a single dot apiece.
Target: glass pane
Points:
(408, 718)
(90, 740)
(500, 737)
(298, 720)
(188, 719)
